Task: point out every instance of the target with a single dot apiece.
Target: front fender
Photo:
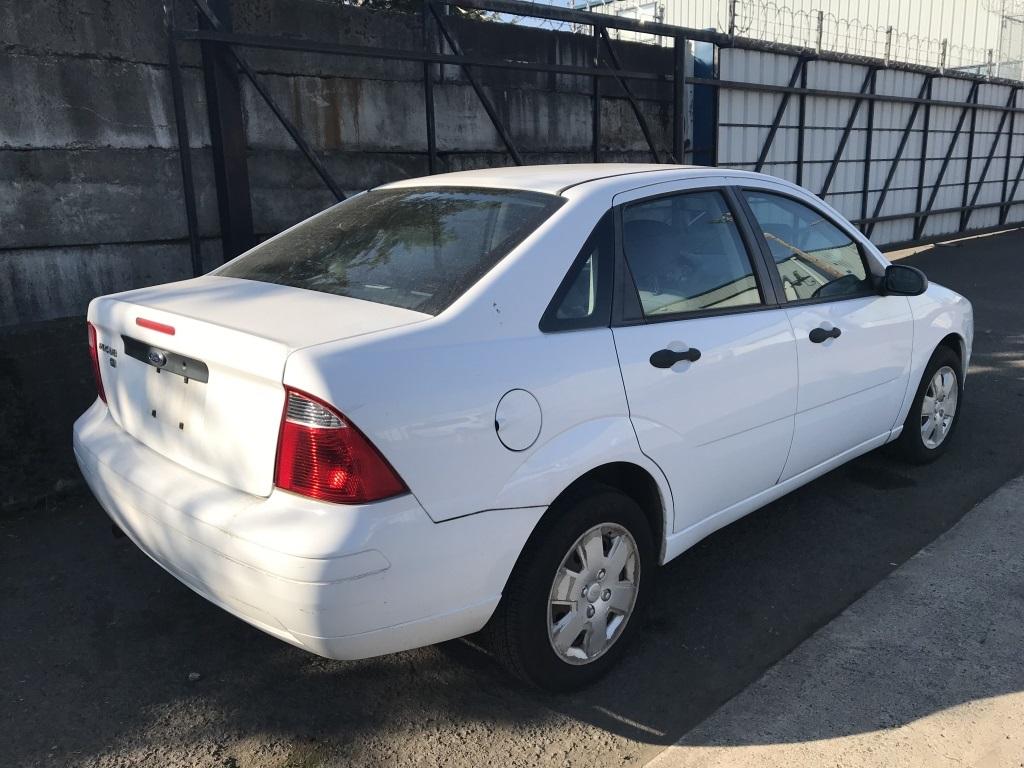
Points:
(938, 312)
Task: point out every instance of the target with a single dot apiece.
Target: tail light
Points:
(94, 357)
(325, 457)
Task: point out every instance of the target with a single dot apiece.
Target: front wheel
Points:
(574, 599)
(935, 411)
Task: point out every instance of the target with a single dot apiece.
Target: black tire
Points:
(911, 443)
(518, 631)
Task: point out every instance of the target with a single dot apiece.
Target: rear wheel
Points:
(574, 599)
(935, 411)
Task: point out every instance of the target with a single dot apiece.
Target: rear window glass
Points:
(418, 248)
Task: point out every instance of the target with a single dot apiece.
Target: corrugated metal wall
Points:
(980, 150)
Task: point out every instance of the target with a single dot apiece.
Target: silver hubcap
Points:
(939, 407)
(593, 593)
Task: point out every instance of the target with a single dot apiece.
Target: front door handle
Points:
(666, 358)
(818, 335)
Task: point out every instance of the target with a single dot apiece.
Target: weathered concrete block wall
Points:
(90, 190)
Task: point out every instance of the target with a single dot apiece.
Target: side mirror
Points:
(902, 280)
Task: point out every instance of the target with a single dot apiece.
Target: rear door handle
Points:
(818, 335)
(666, 358)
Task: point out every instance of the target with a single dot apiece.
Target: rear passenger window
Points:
(686, 254)
(583, 300)
(814, 257)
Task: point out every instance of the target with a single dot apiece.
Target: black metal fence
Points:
(864, 119)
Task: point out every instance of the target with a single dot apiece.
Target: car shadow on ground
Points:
(100, 643)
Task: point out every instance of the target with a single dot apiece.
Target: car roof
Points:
(556, 179)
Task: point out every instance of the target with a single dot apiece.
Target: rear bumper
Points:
(345, 582)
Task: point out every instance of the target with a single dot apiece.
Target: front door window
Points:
(814, 257)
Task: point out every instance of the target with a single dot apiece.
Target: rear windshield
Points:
(418, 248)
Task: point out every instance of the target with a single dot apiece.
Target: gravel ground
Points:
(99, 648)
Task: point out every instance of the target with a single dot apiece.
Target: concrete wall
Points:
(90, 188)
(91, 197)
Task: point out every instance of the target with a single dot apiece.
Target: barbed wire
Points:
(820, 30)
(805, 24)
(1005, 8)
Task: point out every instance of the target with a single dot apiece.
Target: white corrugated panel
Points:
(901, 152)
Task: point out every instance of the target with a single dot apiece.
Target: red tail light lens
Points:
(323, 456)
(94, 357)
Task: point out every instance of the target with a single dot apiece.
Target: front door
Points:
(708, 360)
(853, 345)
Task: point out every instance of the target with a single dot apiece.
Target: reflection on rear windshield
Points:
(418, 248)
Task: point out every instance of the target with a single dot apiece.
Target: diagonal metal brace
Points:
(616, 64)
(988, 158)
(492, 113)
(922, 216)
(249, 72)
(800, 64)
(846, 133)
(899, 154)
(1008, 200)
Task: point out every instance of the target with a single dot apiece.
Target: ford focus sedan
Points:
(498, 400)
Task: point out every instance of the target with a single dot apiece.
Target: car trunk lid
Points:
(194, 370)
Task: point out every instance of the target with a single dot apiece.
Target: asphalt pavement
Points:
(924, 671)
(106, 660)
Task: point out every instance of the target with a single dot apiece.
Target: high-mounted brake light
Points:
(94, 358)
(153, 325)
(323, 456)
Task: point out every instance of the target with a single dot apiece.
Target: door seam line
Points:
(796, 410)
(629, 416)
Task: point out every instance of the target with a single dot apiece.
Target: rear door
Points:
(853, 344)
(707, 356)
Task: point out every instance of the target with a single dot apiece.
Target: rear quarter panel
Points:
(426, 394)
(427, 400)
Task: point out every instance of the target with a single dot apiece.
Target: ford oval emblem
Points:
(159, 359)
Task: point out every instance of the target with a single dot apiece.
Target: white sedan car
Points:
(499, 399)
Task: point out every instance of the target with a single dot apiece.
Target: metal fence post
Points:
(188, 186)
(1009, 146)
(227, 138)
(679, 98)
(868, 136)
(801, 126)
(970, 160)
(922, 167)
(596, 106)
(428, 90)
(820, 32)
